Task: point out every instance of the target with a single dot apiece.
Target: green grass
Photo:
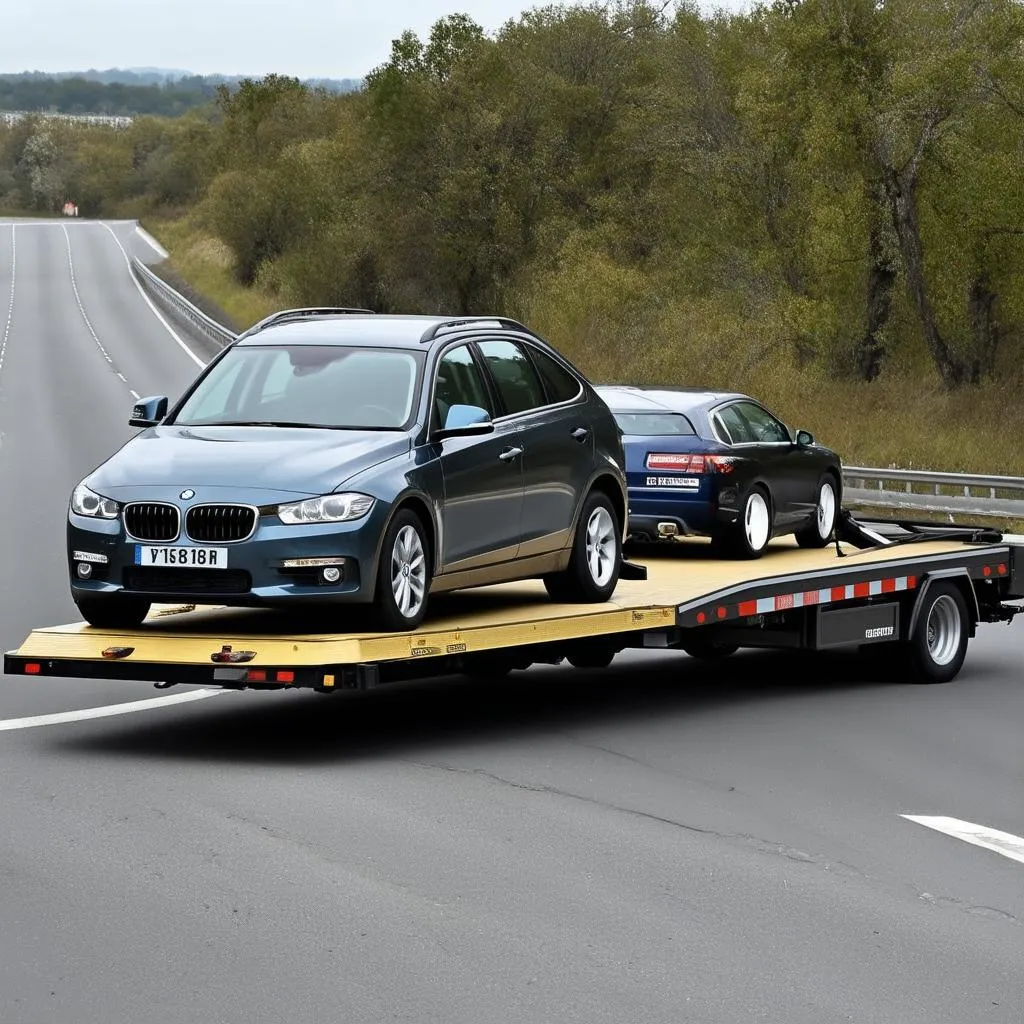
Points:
(904, 420)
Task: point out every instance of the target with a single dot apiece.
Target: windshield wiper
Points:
(284, 423)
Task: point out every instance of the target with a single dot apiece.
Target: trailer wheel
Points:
(938, 645)
(593, 571)
(115, 611)
(709, 650)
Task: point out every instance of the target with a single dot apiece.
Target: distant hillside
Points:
(166, 76)
(125, 93)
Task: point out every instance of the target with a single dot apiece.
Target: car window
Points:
(653, 424)
(735, 424)
(761, 424)
(517, 381)
(319, 385)
(561, 385)
(459, 382)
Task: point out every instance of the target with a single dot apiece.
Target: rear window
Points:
(653, 424)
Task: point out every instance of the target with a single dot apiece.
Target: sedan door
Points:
(537, 393)
(758, 435)
(482, 513)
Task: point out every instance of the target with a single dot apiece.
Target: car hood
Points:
(280, 459)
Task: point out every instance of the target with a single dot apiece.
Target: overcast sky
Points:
(306, 38)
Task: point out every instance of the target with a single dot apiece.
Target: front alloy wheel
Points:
(403, 576)
(818, 532)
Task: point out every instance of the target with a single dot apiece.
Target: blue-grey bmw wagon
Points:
(334, 455)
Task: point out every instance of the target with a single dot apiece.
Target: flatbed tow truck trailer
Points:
(908, 590)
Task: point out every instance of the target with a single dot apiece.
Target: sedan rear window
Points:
(307, 385)
(653, 424)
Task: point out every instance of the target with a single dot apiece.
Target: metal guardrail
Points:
(910, 490)
(173, 299)
(917, 490)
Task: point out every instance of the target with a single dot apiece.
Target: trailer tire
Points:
(598, 530)
(937, 648)
(116, 611)
(709, 650)
(821, 528)
(405, 554)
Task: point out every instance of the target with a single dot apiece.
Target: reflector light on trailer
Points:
(256, 675)
(689, 463)
(285, 676)
(33, 668)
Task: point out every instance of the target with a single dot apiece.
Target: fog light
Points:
(331, 574)
(84, 570)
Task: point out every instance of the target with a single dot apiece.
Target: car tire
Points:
(114, 611)
(754, 529)
(403, 574)
(596, 560)
(818, 533)
(708, 650)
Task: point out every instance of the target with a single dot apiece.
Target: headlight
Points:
(331, 508)
(88, 503)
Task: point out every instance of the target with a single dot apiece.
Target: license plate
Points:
(191, 558)
(680, 483)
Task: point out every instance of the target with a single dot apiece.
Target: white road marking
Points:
(10, 305)
(978, 835)
(156, 312)
(151, 241)
(106, 712)
(81, 309)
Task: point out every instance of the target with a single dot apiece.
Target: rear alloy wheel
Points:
(403, 574)
(596, 560)
(818, 532)
(754, 529)
(116, 611)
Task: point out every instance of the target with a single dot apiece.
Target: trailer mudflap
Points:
(846, 627)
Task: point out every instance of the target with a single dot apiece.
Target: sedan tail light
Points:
(690, 463)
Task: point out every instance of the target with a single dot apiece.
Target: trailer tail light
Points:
(690, 463)
(32, 668)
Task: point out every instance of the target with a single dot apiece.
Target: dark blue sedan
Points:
(720, 464)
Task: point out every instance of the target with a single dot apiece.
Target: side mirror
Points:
(465, 421)
(804, 438)
(148, 412)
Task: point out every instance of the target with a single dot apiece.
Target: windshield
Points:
(330, 386)
(653, 424)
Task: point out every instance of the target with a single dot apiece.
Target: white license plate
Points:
(679, 483)
(191, 558)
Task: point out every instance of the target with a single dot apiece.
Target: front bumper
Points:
(256, 572)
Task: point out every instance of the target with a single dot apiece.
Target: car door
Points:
(784, 467)
(557, 438)
(482, 512)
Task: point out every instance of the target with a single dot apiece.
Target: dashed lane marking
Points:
(110, 710)
(1004, 843)
(85, 316)
(10, 304)
(149, 302)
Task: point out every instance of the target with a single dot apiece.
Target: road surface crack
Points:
(755, 842)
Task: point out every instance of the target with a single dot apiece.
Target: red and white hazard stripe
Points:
(806, 598)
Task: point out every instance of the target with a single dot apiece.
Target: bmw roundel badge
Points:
(188, 493)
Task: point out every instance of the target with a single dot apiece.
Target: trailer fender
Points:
(962, 578)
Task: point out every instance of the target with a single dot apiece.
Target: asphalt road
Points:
(657, 842)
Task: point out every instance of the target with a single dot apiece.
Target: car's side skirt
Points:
(502, 572)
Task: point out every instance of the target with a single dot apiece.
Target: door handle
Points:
(580, 434)
(510, 453)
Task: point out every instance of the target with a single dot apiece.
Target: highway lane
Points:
(659, 841)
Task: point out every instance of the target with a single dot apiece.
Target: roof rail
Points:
(296, 314)
(500, 322)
